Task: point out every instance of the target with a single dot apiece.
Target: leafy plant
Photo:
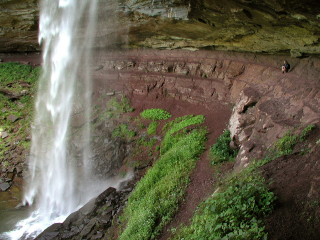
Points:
(152, 128)
(221, 150)
(235, 213)
(155, 114)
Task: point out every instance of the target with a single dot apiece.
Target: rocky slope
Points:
(271, 26)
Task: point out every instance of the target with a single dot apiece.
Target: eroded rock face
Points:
(19, 25)
(271, 26)
(267, 103)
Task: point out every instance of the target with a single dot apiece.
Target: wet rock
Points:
(104, 195)
(87, 229)
(4, 186)
(105, 219)
(49, 233)
(70, 219)
(77, 228)
(98, 235)
(88, 207)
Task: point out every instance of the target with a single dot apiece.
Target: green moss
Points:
(123, 132)
(116, 108)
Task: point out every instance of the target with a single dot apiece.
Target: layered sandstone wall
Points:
(19, 21)
(266, 103)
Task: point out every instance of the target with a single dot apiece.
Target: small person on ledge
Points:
(285, 67)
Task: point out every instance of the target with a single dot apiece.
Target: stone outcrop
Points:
(272, 26)
(93, 220)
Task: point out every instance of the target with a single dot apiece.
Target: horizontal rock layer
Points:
(267, 103)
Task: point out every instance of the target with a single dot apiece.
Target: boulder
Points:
(49, 233)
(13, 118)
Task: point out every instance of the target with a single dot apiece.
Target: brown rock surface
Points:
(267, 102)
(19, 25)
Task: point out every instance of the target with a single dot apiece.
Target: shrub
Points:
(155, 114)
(236, 213)
(221, 150)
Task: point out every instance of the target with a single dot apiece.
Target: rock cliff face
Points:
(271, 26)
(19, 25)
(266, 103)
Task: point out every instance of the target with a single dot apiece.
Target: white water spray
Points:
(66, 33)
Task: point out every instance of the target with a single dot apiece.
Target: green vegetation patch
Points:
(116, 108)
(12, 72)
(221, 150)
(123, 132)
(235, 213)
(152, 128)
(155, 114)
(173, 135)
(155, 198)
(12, 75)
(286, 144)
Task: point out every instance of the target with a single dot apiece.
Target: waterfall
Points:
(59, 181)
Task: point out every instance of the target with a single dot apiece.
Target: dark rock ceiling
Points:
(271, 26)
